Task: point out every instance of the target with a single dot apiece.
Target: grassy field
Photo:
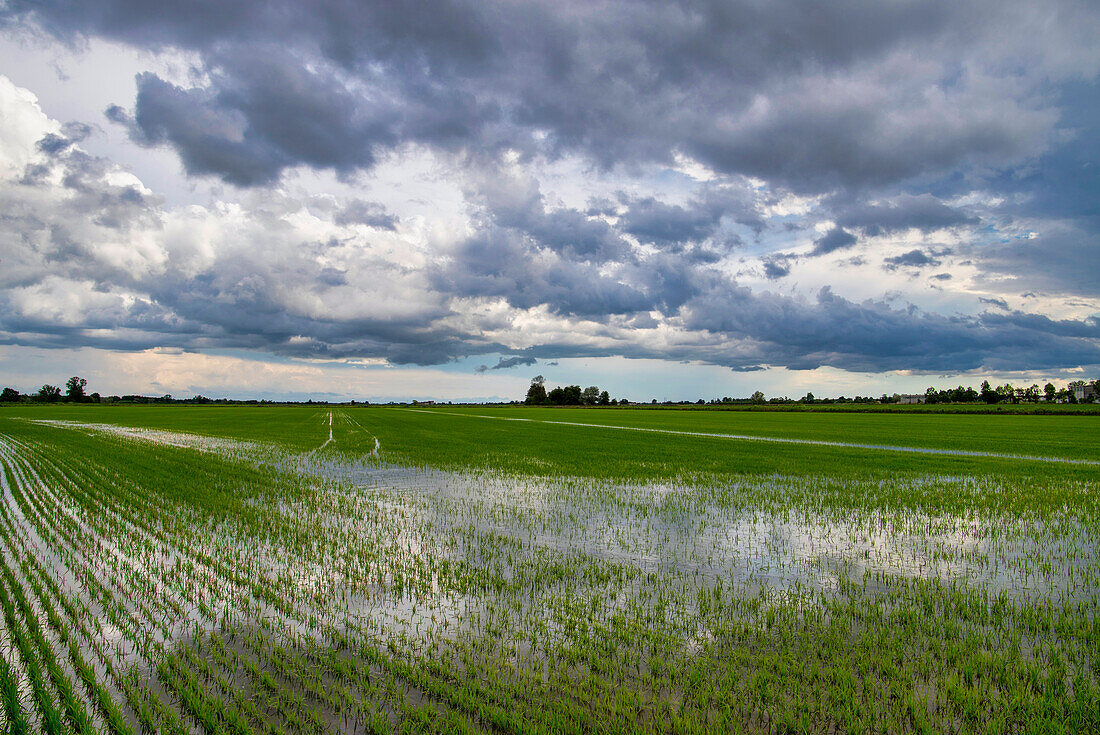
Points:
(373, 569)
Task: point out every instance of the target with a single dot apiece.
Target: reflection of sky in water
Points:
(666, 530)
(776, 536)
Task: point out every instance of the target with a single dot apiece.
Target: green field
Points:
(377, 569)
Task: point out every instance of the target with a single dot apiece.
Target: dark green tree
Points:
(74, 389)
(569, 395)
(536, 394)
(49, 394)
(10, 395)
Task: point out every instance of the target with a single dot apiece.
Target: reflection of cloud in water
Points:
(779, 537)
(669, 530)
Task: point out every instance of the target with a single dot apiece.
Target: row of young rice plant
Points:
(160, 581)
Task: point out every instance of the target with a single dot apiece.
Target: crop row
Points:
(161, 588)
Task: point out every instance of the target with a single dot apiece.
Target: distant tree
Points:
(1006, 393)
(590, 396)
(987, 393)
(74, 389)
(536, 394)
(605, 399)
(9, 395)
(95, 398)
(49, 394)
(1051, 392)
(700, 402)
(758, 397)
(808, 398)
(569, 395)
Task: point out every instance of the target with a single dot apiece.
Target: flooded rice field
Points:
(159, 580)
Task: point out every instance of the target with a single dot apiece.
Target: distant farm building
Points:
(1085, 392)
(911, 398)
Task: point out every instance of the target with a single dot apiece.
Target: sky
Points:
(440, 199)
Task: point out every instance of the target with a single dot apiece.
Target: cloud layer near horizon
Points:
(867, 186)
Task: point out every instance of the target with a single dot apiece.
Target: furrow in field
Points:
(90, 573)
(377, 449)
(80, 547)
(252, 611)
(771, 439)
(572, 604)
(48, 596)
(191, 692)
(48, 649)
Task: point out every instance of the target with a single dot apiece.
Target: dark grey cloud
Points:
(503, 264)
(889, 113)
(998, 303)
(915, 258)
(360, 212)
(518, 208)
(784, 91)
(923, 212)
(1059, 259)
(674, 226)
(835, 239)
(656, 222)
(266, 117)
(507, 362)
(872, 336)
(776, 267)
(250, 294)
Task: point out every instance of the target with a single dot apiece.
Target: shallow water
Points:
(337, 552)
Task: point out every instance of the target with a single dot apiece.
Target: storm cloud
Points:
(787, 91)
(631, 179)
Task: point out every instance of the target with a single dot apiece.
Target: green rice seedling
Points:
(9, 693)
(534, 575)
(51, 718)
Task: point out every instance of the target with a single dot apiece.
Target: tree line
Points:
(573, 395)
(74, 393)
(1007, 393)
(567, 395)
